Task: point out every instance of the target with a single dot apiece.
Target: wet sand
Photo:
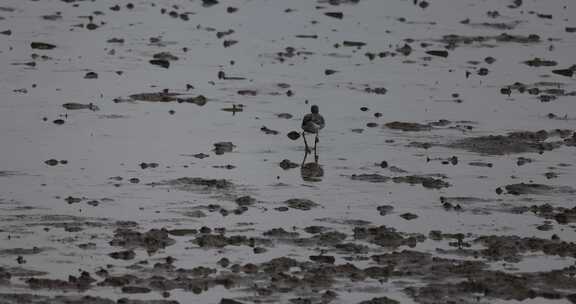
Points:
(145, 155)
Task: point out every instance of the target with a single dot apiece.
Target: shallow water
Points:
(99, 146)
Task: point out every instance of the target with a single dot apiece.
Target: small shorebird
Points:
(312, 123)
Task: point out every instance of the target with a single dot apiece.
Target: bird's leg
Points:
(316, 141)
(305, 143)
(304, 160)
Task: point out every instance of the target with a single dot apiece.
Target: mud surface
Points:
(152, 152)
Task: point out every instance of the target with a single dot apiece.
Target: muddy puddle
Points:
(151, 152)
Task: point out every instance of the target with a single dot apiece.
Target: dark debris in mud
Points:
(197, 184)
(562, 215)
(17, 298)
(429, 182)
(538, 189)
(515, 142)
(152, 240)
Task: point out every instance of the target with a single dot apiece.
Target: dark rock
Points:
(72, 200)
(123, 255)
(229, 43)
(247, 92)
(285, 115)
(405, 50)
(380, 300)
(373, 178)
(80, 106)
(51, 162)
(408, 126)
(325, 259)
(378, 91)
(163, 96)
(42, 46)
(386, 237)
(408, 216)
(329, 72)
(537, 62)
(280, 233)
(337, 15)
(353, 43)
(223, 147)
(426, 181)
(483, 71)
(564, 72)
(269, 131)
(287, 164)
(522, 188)
(160, 62)
(135, 289)
(229, 301)
(201, 155)
(438, 53)
(115, 40)
(301, 204)
(199, 100)
(208, 3)
(166, 56)
(152, 240)
(245, 201)
(293, 135)
(385, 209)
(515, 142)
(197, 183)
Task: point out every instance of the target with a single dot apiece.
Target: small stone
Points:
(287, 164)
(123, 255)
(51, 162)
(293, 135)
(91, 75)
(438, 53)
(160, 62)
(229, 301)
(301, 204)
(259, 250)
(42, 46)
(325, 259)
(135, 289)
(408, 216)
(337, 15)
(224, 262)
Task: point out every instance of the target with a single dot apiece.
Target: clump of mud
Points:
(196, 184)
(512, 143)
(152, 240)
(429, 182)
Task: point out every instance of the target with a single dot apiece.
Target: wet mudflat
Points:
(148, 152)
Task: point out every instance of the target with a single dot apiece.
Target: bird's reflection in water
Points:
(312, 171)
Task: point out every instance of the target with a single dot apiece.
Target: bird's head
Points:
(314, 109)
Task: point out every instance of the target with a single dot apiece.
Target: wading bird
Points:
(312, 123)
